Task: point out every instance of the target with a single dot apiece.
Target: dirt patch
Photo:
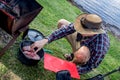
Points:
(4, 37)
(10, 76)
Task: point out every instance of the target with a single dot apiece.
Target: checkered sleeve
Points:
(98, 50)
(61, 32)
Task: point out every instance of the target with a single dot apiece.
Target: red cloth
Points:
(56, 64)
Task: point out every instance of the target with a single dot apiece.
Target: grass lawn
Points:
(46, 22)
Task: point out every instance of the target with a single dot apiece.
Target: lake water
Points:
(109, 10)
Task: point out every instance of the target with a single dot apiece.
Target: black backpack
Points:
(63, 75)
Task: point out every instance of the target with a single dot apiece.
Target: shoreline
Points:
(108, 27)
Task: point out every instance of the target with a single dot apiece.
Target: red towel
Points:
(56, 64)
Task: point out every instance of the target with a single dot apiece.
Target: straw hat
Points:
(88, 24)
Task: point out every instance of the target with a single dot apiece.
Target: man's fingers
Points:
(37, 50)
(32, 46)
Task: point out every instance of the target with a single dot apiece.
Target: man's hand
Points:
(39, 44)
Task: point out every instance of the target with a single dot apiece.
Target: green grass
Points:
(46, 22)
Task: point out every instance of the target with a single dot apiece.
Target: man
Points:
(88, 40)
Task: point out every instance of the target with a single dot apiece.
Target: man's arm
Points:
(59, 33)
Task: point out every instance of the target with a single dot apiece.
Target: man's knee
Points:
(81, 59)
(82, 55)
(62, 22)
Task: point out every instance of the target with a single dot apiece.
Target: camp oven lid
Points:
(33, 35)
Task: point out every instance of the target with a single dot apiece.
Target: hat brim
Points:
(79, 28)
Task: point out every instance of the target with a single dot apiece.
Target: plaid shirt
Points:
(97, 44)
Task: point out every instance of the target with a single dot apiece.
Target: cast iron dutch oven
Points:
(24, 59)
(32, 36)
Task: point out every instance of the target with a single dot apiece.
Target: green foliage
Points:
(46, 22)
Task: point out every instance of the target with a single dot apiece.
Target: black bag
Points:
(63, 75)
